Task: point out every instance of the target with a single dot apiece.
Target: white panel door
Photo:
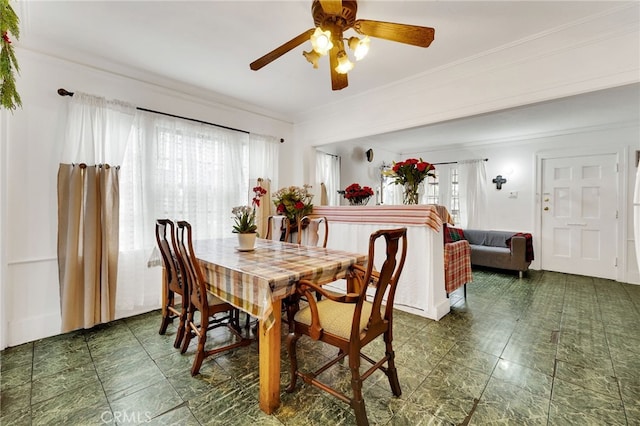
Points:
(579, 216)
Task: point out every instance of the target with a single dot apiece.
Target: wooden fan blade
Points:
(279, 51)
(402, 33)
(338, 81)
(331, 7)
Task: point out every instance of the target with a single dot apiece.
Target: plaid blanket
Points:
(457, 265)
(529, 244)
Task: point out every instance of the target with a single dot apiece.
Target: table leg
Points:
(270, 362)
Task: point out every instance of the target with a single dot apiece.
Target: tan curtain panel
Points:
(324, 197)
(88, 209)
(262, 212)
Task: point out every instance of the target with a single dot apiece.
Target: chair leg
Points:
(465, 291)
(166, 317)
(181, 326)
(392, 372)
(200, 353)
(188, 331)
(292, 340)
(357, 402)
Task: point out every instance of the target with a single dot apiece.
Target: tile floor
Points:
(550, 349)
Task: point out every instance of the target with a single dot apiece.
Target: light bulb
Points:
(321, 41)
(344, 64)
(359, 47)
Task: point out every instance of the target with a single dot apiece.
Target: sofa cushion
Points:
(475, 236)
(498, 239)
(482, 237)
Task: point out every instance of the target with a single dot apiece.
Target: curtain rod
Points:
(453, 162)
(64, 92)
(326, 153)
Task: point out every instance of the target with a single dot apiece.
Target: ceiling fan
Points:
(332, 18)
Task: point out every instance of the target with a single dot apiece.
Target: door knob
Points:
(546, 208)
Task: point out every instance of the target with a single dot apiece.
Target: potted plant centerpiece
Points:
(245, 221)
(294, 202)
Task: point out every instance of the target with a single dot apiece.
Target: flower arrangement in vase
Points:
(357, 195)
(245, 221)
(410, 173)
(293, 202)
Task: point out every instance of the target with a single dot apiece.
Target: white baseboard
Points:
(633, 278)
(33, 328)
(39, 327)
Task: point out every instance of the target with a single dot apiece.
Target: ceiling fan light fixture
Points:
(359, 47)
(344, 64)
(312, 56)
(321, 41)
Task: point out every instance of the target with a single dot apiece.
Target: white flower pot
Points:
(247, 242)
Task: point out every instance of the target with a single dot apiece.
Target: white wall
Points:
(28, 171)
(354, 166)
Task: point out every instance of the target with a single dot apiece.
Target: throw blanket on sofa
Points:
(529, 244)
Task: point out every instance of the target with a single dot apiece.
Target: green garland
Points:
(9, 97)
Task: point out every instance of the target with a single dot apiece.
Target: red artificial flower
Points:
(299, 205)
(280, 208)
(258, 192)
(356, 191)
(5, 37)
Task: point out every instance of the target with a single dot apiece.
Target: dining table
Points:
(257, 280)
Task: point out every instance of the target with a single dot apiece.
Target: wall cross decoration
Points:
(499, 180)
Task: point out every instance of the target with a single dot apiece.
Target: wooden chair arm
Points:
(356, 281)
(306, 287)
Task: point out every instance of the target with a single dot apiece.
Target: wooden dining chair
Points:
(172, 281)
(313, 231)
(278, 228)
(350, 322)
(214, 312)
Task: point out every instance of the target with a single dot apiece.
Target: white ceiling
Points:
(205, 47)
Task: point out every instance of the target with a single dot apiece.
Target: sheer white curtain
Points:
(473, 193)
(263, 158)
(179, 170)
(328, 172)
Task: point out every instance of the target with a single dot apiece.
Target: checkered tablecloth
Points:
(252, 280)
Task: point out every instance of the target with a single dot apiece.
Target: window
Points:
(432, 189)
(454, 204)
(180, 170)
(443, 189)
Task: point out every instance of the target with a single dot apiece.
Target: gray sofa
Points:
(490, 248)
